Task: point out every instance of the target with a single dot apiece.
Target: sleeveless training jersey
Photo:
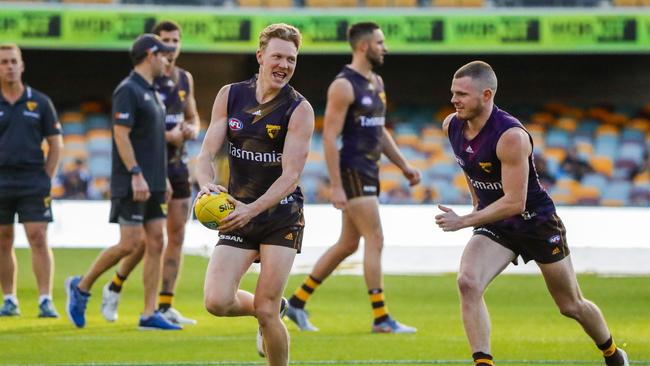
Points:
(364, 123)
(478, 159)
(174, 94)
(255, 140)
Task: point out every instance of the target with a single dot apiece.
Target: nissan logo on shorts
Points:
(235, 124)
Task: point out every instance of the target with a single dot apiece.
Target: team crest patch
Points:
(486, 166)
(235, 124)
(272, 130)
(47, 201)
(31, 105)
(382, 96)
(163, 208)
(181, 95)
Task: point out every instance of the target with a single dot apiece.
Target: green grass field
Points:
(527, 328)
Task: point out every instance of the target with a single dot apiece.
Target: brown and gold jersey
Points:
(255, 141)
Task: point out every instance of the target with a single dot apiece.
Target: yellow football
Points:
(210, 209)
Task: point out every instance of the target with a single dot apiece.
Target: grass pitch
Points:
(527, 329)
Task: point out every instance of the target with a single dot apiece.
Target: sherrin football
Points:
(210, 209)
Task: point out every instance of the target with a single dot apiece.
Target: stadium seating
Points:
(613, 144)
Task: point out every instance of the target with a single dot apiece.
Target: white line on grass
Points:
(340, 362)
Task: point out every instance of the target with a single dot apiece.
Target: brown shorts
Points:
(544, 243)
(284, 232)
(357, 184)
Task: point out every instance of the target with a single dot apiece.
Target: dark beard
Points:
(374, 62)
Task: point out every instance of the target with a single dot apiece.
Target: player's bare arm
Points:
(446, 122)
(212, 142)
(513, 150)
(127, 155)
(190, 127)
(339, 97)
(55, 146)
(390, 149)
(294, 157)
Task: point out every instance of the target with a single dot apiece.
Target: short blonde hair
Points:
(11, 46)
(282, 31)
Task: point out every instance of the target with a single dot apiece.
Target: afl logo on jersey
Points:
(235, 124)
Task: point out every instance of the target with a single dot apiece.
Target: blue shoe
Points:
(46, 309)
(157, 322)
(75, 305)
(9, 309)
(390, 325)
(301, 318)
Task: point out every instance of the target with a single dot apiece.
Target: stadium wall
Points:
(602, 240)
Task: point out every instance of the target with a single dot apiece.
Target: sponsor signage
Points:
(422, 31)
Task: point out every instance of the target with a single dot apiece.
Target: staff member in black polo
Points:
(27, 116)
(139, 187)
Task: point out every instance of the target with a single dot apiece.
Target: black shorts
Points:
(358, 184)
(284, 232)
(180, 185)
(544, 243)
(125, 210)
(30, 208)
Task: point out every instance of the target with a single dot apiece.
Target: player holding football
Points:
(267, 126)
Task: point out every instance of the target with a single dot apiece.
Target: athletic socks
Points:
(116, 284)
(379, 309)
(612, 357)
(482, 359)
(304, 292)
(42, 298)
(165, 300)
(13, 298)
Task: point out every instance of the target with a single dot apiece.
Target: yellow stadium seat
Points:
(89, 1)
(625, 2)
(606, 129)
(250, 3)
(443, 112)
(612, 202)
(460, 182)
(556, 153)
(407, 140)
(566, 123)
(406, 3)
(91, 107)
(542, 118)
(71, 117)
(570, 185)
(472, 3)
(331, 3)
(446, 3)
(603, 165)
(564, 198)
(588, 192)
(388, 184)
(642, 124)
(280, 3)
(430, 147)
(98, 133)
